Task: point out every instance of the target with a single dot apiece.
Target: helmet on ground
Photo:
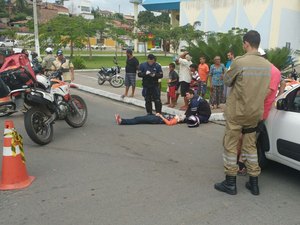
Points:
(193, 121)
(49, 50)
(43, 81)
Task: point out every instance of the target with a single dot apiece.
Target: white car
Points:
(156, 49)
(280, 139)
(9, 43)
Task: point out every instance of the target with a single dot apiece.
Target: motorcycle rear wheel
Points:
(101, 79)
(117, 81)
(78, 114)
(37, 130)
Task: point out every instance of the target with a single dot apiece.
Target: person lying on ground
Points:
(151, 119)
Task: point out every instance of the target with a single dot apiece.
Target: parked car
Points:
(125, 47)
(9, 43)
(101, 47)
(279, 139)
(156, 49)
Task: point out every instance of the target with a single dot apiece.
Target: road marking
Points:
(93, 78)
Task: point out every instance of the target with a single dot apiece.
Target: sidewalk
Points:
(87, 81)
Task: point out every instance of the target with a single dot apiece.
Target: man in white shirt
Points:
(184, 62)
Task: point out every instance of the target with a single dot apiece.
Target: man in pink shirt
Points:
(274, 83)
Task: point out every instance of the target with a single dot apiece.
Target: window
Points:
(293, 100)
(85, 9)
(296, 104)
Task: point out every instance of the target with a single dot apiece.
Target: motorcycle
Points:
(112, 75)
(47, 106)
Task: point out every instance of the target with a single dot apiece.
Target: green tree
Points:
(283, 59)
(56, 33)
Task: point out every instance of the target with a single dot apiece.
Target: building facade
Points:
(80, 8)
(276, 20)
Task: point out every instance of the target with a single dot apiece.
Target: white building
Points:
(276, 20)
(80, 8)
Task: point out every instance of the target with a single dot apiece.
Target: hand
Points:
(152, 74)
(158, 114)
(148, 72)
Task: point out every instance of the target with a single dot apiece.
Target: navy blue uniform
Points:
(151, 74)
(199, 107)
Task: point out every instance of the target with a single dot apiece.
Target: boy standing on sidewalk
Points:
(203, 71)
(172, 84)
(196, 82)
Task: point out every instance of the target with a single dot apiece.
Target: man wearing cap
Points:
(151, 71)
(132, 65)
(249, 77)
(62, 63)
(48, 60)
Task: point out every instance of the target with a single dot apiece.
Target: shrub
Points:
(282, 58)
(213, 44)
(78, 62)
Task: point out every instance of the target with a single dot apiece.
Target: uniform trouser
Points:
(152, 94)
(233, 132)
(148, 119)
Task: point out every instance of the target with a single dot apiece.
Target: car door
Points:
(286, 131)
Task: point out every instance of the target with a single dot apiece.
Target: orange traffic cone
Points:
(14, 173)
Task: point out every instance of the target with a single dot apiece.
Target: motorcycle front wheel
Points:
(117, 81)
(37, 130)
(7, 109)
(101, 79)
(78, 112)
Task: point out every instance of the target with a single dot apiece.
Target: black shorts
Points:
(184, 88)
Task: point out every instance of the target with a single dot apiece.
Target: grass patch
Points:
(107, 61)
(164, 86)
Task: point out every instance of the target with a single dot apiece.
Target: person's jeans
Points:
(147, 119)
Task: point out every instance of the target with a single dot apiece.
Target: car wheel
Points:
(3, 45)
(261, 149)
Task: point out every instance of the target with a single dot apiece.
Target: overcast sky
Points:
(113, 5)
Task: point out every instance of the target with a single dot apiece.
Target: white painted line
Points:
(93, 78)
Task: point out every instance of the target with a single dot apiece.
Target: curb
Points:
(140, 103)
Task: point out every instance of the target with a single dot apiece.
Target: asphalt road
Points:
(107, 174)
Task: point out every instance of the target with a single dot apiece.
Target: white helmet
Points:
(43, 81)
(49, 50)
(261, 51)
(193, 121)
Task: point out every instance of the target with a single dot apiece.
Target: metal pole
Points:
(136, 11)
(36, 29)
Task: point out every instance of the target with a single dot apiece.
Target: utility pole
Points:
(136, 11)
(36, 29)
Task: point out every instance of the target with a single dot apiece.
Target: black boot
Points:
(252, 185)
(228, 185)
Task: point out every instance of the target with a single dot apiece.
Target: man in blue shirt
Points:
(230, 57)
(151, 72)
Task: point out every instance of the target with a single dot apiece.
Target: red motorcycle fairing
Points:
(18, 61)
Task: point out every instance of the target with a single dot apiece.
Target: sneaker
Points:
(118, 119)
